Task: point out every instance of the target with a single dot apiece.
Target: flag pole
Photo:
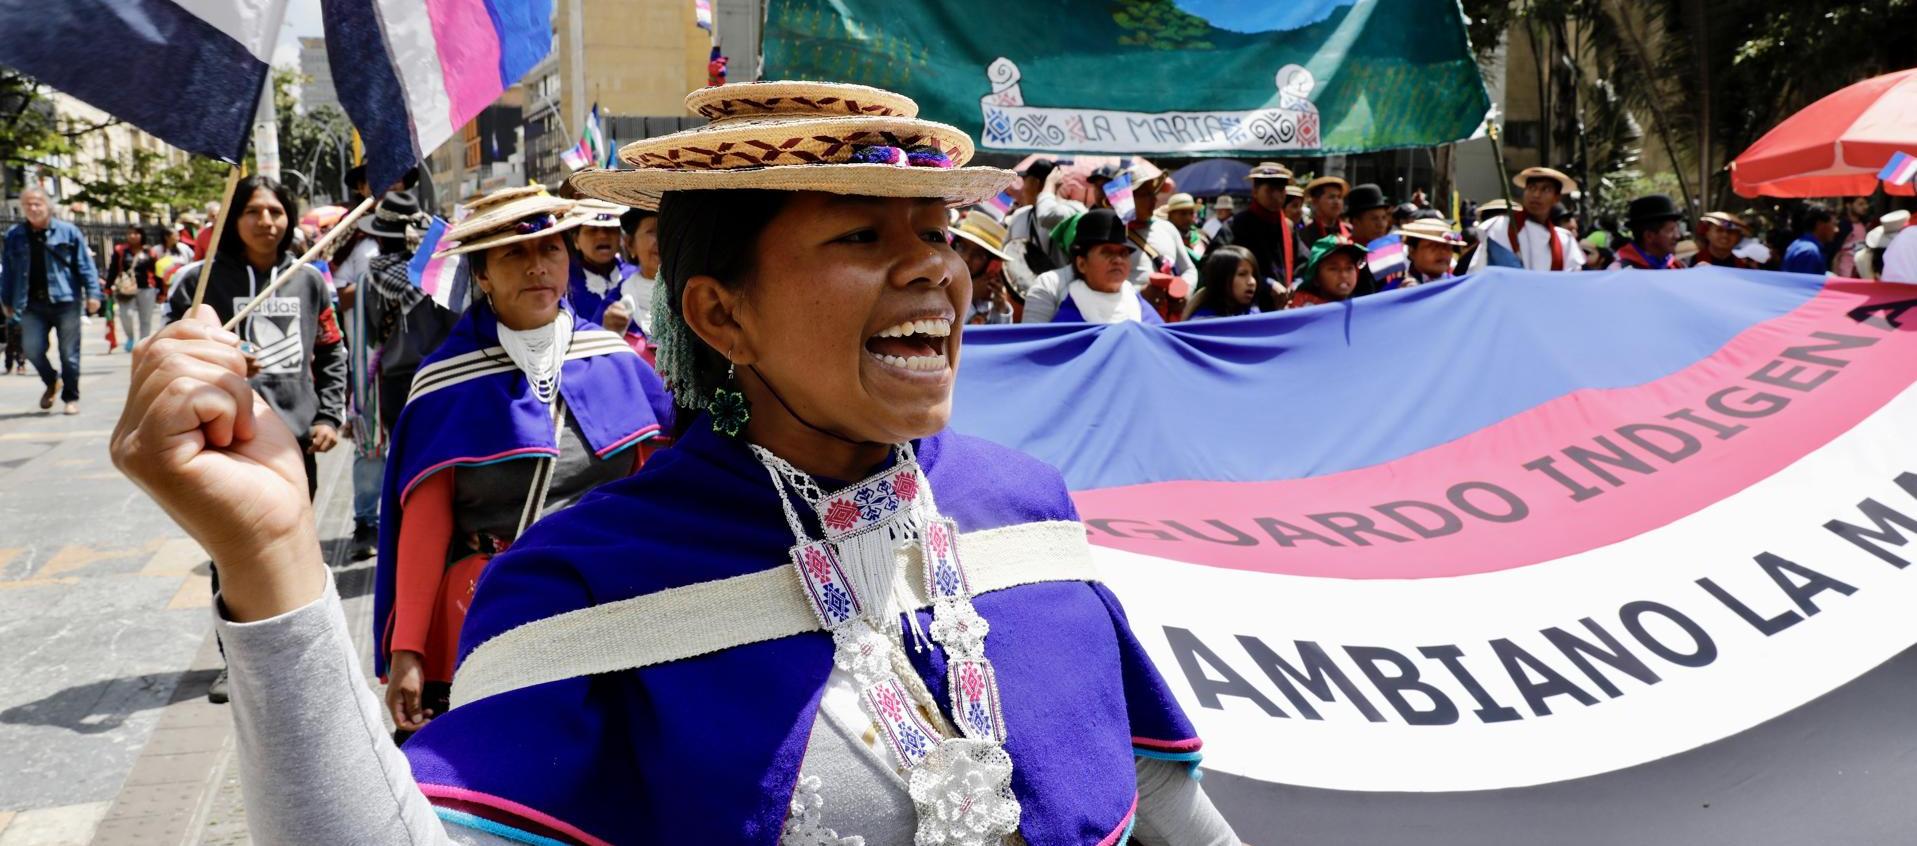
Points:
(219, 226)
(280, 275)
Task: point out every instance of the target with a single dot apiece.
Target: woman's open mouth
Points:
(914, 345)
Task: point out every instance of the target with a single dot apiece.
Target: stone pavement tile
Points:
(5, 817)
(152, 815)
(176, 557)
(185, 767)
(226, 820)
(195, 592)
(64, 825)
(95, 662)
(176, 741)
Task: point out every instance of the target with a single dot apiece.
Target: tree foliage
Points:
(311, 143)
(33, 135)
(1159, 25)
(1700, 79)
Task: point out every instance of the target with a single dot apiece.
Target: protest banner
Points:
(1590, 563)
(1181, 77)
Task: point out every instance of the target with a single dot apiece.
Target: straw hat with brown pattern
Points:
(509, 215)
(800, 136)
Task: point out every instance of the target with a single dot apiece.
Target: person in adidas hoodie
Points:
(296, 342)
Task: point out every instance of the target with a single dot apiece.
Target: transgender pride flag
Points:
(1511, 560)
(412, 72)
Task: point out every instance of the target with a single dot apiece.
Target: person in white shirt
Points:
(1528, 232)
(1160, 246)
(1028, 240)
(1221, 211)
(1155, 249)
(1900, 258)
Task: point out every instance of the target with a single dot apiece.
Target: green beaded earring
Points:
(729, 409)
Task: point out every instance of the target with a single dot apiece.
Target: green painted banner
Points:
(1174, 77)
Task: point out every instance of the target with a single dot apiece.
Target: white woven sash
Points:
(708, 617)
(466, 367)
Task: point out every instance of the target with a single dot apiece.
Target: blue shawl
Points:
(707, 750)
(617, 400)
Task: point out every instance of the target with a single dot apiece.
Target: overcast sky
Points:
(302, 19)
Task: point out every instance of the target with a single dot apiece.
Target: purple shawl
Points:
(617, 399)
(707, 750)
(587, 303)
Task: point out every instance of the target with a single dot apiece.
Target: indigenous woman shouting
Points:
(520, 377)
(820, 618)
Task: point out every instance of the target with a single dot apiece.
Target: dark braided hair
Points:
(708, 233)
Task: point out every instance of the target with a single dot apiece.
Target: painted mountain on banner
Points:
(1240, 16)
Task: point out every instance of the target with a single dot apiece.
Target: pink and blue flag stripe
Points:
(188, 71)
(1900, 170)
(410, 73)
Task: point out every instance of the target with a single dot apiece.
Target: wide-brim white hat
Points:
(598, 213)
(800, 136)
(507, 216)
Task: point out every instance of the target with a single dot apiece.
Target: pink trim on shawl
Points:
(640, 435)
(1124, 825)
(440, 791)
(1187, 745)
(483, 459)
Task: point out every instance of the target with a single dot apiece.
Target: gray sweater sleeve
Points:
(316, 763)
(1173, 809)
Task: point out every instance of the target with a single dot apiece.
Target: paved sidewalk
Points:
(105, 646)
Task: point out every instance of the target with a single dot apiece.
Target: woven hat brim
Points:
(504, 238)
(956, 186)
(774, 141)
(510, 212)
(1456, 245)
(997, 251)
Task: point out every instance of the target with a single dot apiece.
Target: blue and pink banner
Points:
(1522, 558)
(410, 73)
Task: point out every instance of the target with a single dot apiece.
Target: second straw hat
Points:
(801, 136)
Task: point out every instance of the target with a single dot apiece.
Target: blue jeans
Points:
(369, 472)
(35, 323)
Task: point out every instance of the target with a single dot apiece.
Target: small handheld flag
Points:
(1900, 170)
(1387, 260)
(1119, 192)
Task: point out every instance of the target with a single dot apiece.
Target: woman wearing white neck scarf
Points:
(518, 379)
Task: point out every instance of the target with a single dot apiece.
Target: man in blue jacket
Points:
(46, 273)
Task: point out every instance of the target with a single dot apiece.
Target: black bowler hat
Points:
(1364, 198)
(390, 218)
(1098, 226)
(1651, 209)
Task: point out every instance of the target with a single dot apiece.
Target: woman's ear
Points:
(711, 310)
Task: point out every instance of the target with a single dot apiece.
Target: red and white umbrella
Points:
(1835, 146)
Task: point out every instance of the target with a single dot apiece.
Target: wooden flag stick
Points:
(219, 225)
(280, 277)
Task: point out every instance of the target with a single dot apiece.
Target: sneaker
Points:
(216, 693)
(73, 408)
(46, 399)
(365, 540)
